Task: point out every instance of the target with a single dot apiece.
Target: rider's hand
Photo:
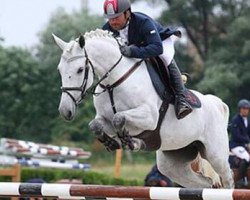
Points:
(126, 50)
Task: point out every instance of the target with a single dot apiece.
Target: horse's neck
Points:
(104, 56)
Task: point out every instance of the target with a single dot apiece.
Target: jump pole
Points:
(71, 191)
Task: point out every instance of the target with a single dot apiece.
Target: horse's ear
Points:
(81, 41)
(59, 42)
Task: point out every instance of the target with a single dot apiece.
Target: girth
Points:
(152, 138)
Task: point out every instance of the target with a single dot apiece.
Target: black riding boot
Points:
(242, 173)
(182, 107)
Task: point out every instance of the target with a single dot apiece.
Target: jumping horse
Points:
(128, 105)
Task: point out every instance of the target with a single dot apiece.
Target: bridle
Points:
(91, 90)
(82, 88)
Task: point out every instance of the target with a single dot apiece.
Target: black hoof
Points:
(126, 140)
(109, 143)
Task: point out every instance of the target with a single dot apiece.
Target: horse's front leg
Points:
(100, 127)
(132, 122)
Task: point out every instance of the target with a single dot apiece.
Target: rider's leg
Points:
(242, 171)
(182, 107)
(244, 156)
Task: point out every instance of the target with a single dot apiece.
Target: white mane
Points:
(98, 33)
(92, 35)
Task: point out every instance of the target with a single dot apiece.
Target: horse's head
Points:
(76, 73)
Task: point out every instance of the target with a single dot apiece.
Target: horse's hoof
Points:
(138, 144)
(110, 143)
(216, 185)
(119, 121)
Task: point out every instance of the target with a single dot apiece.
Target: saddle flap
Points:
(192, 99)
(160, 79)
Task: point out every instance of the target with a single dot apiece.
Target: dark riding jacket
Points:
(145, 34)
(240, 135)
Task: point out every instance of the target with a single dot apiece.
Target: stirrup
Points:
(184, 113)
(182, 108)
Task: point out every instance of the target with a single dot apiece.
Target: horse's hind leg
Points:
(219, 161)
(176, 165)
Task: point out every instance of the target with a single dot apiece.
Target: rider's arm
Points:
(237, 134)
(152, 42)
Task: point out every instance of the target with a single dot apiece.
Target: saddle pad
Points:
(192, 99)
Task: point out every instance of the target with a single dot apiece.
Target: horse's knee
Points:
(96, 126)
(119, 121)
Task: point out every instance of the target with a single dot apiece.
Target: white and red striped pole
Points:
(71, 191)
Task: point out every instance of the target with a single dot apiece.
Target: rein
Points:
(110, 88)
(91, 90)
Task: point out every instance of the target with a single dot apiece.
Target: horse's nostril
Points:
(69, 115)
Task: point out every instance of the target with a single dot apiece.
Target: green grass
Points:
(128, 171)
(134, 166)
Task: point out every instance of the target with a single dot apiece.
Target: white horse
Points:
(133, 107)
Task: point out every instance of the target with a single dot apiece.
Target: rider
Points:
(240, 136)
(146, 38)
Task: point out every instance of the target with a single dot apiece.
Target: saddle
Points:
(161, 81)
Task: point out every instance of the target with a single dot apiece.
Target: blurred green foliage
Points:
(30, 85)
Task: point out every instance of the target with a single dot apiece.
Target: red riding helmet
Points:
(114, 8)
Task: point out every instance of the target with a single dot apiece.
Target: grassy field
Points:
(128, 171)
(134, 166)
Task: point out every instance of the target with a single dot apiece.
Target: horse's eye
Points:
(80, 70)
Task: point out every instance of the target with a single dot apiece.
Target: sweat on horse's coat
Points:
(137, 104)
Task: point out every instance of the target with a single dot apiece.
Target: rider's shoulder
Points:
(236, 118)
(141, 16)
(142, 20)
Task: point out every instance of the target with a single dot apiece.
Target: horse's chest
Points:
(106, 105)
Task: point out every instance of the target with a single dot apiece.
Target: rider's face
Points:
(119, 22)
(244, 112)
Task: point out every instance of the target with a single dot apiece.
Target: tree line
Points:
(216, 31)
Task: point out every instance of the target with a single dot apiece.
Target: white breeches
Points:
(241, 152)
(168, 51)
